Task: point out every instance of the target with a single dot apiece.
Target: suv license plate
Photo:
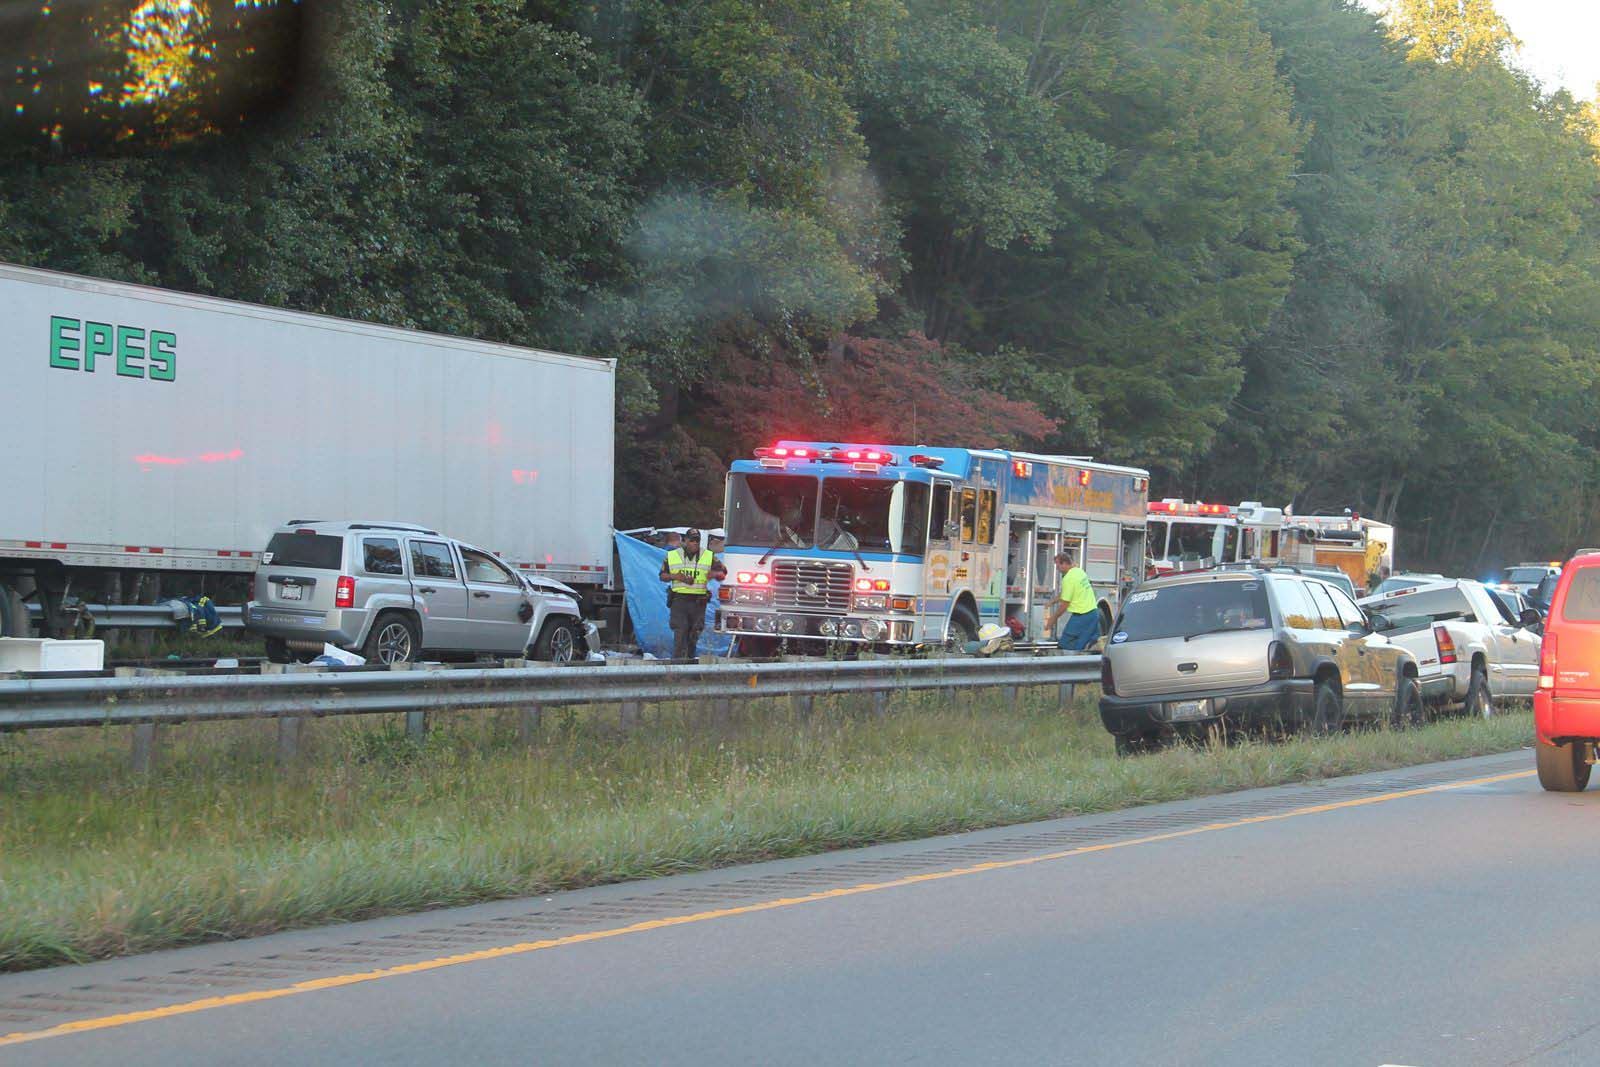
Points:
(291, 592)
(1189, 709)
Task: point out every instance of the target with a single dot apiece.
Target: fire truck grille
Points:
(800, 585)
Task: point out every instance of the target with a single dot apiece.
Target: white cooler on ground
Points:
(46, 654)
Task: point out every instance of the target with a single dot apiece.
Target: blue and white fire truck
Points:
(900, 546)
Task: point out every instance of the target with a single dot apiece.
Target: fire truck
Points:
(902, 546)
(1186, 536)
(1358, 546)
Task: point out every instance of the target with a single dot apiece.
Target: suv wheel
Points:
(393, 639)
(1327, 709)
(558, 642)
(1563, 768)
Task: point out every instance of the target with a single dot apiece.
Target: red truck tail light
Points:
(1447, 644)
(1279, 663)
(344, 593)
(1108, 682)
(1547, 662)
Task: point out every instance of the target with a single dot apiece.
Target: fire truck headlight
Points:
(872, 629)
(872, 603)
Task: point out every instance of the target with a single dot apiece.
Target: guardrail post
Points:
(528, 723)
(1008, 694)
(146, 747)
(1065, 694)
(880, 702)
(289, 738)
(417, 725)
(146, 735)
(291, 728)
(722, 711)
(628, 713)
(801, 705)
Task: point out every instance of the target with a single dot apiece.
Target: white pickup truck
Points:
(1470, 648)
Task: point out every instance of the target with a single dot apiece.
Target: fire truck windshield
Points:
(874, 515)
(772, 510)
(856, 514)
(1189, 541)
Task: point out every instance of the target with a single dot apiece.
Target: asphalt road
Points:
(1395, 919)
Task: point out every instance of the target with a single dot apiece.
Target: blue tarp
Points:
(647, 601)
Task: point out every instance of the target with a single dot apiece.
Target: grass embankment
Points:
(219, 842)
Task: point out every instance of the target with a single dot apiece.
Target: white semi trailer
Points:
(155, 431)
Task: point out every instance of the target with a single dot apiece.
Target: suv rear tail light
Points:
(1108, 683)
(1279, 663)
(344, 594)
(1447, 644)
(1547, 662)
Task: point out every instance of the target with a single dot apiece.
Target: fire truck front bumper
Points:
(863, 629)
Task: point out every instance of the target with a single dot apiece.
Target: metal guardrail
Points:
(33, 703)
(165, 615)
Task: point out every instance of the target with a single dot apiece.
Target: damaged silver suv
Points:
(393, 592)
(1248, 651)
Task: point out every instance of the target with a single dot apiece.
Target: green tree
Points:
(1152, 285)
(1463, 32)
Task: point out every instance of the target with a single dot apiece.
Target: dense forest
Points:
(1279, 250)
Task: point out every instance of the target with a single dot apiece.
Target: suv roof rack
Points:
(393, 526)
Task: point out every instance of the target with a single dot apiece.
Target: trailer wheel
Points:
(392, 639)
(278, 650)
(14, 621)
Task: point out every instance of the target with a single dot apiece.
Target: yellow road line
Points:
(106, 1022)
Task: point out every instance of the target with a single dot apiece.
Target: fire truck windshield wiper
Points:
(784, 535)
(855, 546)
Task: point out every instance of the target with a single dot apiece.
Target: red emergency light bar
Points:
(1180, 507)
(862, 454)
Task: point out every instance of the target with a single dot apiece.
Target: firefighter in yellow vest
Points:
(688, 570)
(1077, 602)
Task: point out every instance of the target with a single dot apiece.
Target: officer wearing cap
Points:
(688, 571)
